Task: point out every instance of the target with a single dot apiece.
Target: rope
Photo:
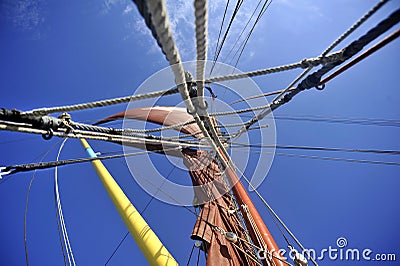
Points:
(293, 147)
(27, 205)
(220, 30)
(343, 120)
(116, 249)
(305, 63)
(339, 40)
(313, 80)
(59, 212)
(241, 33)
(93, 136)
(143, 10)
(162, 26)
(352, 49)
(339, 159)
(190, 256)
(279, 219)
(329, 158)
(101, 103)
(237, 7)
(201, 47)
(364, 55)
(264, 8)
(141, 213)
(160, 20)
(354, 26)
(45, 165)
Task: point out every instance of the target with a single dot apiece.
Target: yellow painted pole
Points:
(154, 251)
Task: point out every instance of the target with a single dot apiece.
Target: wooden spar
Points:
(150, 245)
(243, 198)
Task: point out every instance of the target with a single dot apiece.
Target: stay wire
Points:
(51, 164)
(59, 212)
(313, 80)
(325, 158)
(190, 256)
(241, 33)
(237, 7)
(198, 258)
(117, 247)
(187, 208)
(278, 218)
(313, 148)
(355, 61)
(141, 213)
(264, 8)
(220, 30)
(27, 205)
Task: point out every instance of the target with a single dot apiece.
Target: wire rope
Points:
(60, 215)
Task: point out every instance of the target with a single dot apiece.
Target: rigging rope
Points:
(264, 8)
(237, 7)
(102, 103)
(339, 119)
(59, 213)
(141, 213)
(27, 205)
(394, 35)
(45, 165)
(339, 40)
(110, 137)
(293, 147)
(220, 30)
(327, 158)
(314, 79)
(305, 63)
(364, 55)
(241, 33)
(201, 19)
(339, 159)
(279, 219)
(354, 26)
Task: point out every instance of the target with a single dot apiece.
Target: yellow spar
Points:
(154, 251)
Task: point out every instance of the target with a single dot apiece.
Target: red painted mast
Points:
(243, 200)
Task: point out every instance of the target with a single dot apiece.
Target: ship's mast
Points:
(150, 245)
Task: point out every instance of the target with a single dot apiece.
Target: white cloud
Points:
(128, 9)
(110, 4)
(182, 19)
(25, 15)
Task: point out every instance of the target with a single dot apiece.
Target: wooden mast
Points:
(244, 201)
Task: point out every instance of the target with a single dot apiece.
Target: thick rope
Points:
(313, 80)
(201, 16)
(311, 63)
(354, 26)
(62, 132)
(160, 20)
(305, 63)
(364, 55)
(162, 26)
(101, 103)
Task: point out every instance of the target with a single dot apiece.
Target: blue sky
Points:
(63, 53)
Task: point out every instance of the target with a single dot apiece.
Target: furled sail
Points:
(218, 226)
